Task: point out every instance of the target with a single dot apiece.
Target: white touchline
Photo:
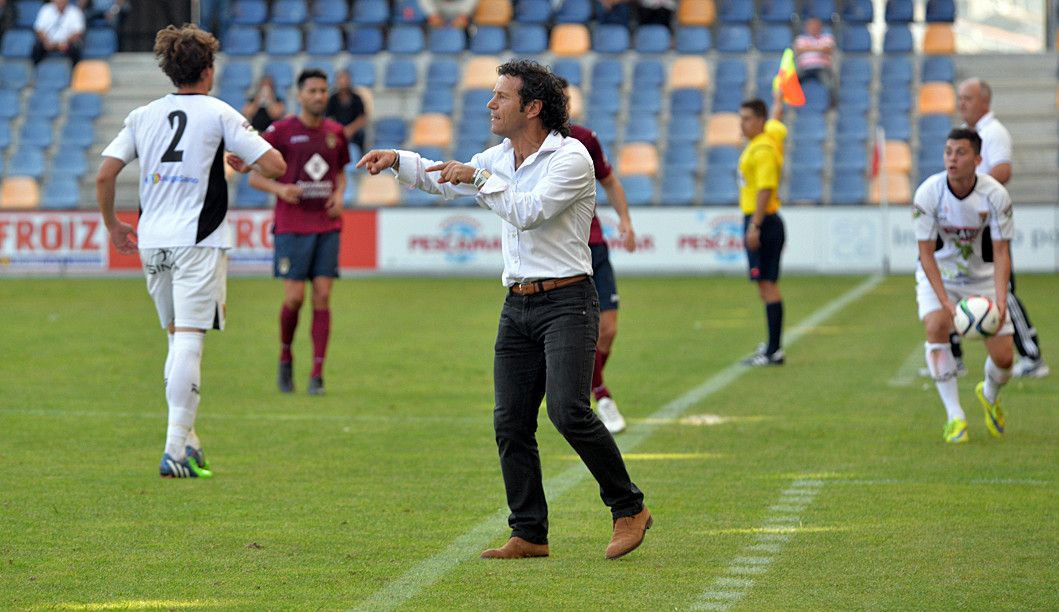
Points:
(430, 570)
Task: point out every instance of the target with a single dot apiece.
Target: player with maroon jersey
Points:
(308, 219)
(603, 274)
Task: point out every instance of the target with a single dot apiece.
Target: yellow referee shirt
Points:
(760, 167)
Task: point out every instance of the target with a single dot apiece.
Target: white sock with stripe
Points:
(995, 379)
(942, 367)
(182, 391)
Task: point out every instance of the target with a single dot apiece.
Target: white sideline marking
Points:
(754, 560)
(429, 571)
(908, 373)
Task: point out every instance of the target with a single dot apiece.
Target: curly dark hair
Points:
(184, 52)
(539, 83)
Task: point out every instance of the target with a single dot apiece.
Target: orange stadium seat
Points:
(432, 130)
(689, 72)
(91, 76)
(696, 13)
(19, 192)
(898, 189)
(378, 190)
(480, 72)
(898, 157)
(577, 102)
(638, 158)
(723, 130)
(493, 13)
(937, 99)
(570, 40)
(939, 39)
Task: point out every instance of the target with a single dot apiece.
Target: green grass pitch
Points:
(823, 484)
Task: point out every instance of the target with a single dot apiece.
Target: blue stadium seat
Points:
(36, 132)
(896, 99)
(856, 39)
(608, 72)
(53, 74)
(941, 11)
(43, 103)
(604, 99)
(249, 12)
(289, 12)
(488, 40)
(407, 12)
(400, 72)
(324, 40)
(604, 125)
(852, 124)
(848, 188)
(236, 74)
(5, 139)
(855, 72)
(390, 132)
(528, 38)
(437, 99)
(26, 12)
(405, 40)
(282, 75)
(693, 40)
(820, 9)
(938, 68)
(722, 159)
(809, 124)
(899, 11)
(323, 64)
(60, 193)
(649, 73)
(854, 99)
(242, 40)
(777, 11)
(574, 11)
(14, 75)
(682, 156)
(686, 101)
(443, 72)
(533, 11)
(234, 97)
(898, 39)
(69, 162)
(896, 71)
(773, 38)
(733, 38)
(645, 100)
(76, 134)
(719, 188)
(817, 97)
(726, 100)
(418, 197)
(362, 73)
(767, 67)
(283, 40)
(929, 159)
(330, 12)
(730, 73)
(639, 190)
(934, 127)
(679, 189)
(85, 105)
(652, 38)
(857, 11)
(447, 40)
(371, 12)
(617, 14)
(365, 40)
(474, 102)
(27, 161)
(569, 69)
(806, 186)
(248, 197)
(100, 43)
(610, 38)
(9, 104)
(17, 44)
(852, 156)
(804, 157)
(684, 128)
(896, 126)
(736, 11)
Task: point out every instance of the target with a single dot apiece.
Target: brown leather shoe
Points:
(517, 548)
(629, 532)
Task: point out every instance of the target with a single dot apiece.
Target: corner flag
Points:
(786, 80)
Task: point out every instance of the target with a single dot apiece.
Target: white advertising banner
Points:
(50, 242)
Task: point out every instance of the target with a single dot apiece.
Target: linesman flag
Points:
(786, 80)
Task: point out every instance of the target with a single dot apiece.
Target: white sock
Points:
(168, 360)
(942, 367)
(995, 378)
(182, 392)
(193, 439)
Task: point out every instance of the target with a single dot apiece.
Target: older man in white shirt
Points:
(60, 28)
(974, 98)
(541, 182)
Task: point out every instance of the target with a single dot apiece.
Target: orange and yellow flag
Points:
(786, 80)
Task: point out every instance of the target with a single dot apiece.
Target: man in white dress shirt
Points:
(60, 28)
(541, 183)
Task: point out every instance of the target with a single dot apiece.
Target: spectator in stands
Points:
(455, 13)
(346, 107)
(265, 106)
(648, 12)
(60, 29)
(974, 98)
(813, 50)
(112, 15)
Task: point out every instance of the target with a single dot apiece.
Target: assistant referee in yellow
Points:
(760, 169)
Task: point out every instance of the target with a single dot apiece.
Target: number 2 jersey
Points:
(180, 140)
(964, 227)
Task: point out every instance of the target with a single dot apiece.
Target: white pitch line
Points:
(907, 374)
(429, 571)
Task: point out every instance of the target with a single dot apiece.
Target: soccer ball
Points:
(976, 317)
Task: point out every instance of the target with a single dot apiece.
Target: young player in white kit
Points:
(182, 234)
(964, 225)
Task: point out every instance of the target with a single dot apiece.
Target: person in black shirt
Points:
(346, 107)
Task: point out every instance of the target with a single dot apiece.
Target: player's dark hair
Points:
(969, 135)
(539, 83)
(756, 106)
(311, 73)
(184, 53)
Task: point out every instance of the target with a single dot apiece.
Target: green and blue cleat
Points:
(956, 431)
(994, 414)
(186, 468)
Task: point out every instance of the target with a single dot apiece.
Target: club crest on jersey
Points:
(331, 140)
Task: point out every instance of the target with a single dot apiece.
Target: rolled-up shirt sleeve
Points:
(567, 180)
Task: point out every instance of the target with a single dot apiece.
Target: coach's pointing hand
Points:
(378, 160)
(453, 172)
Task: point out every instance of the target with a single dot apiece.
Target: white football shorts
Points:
(188, 285)
(928, 300)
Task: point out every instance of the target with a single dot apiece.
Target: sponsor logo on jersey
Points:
(155, 178)
(297, 138)
(316, 167)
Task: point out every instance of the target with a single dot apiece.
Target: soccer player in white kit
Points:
(964, 225)
(182, 234)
